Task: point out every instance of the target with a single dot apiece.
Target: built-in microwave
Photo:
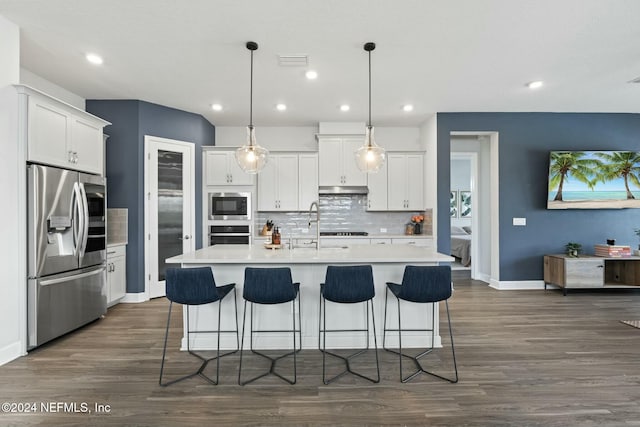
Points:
(234, 206)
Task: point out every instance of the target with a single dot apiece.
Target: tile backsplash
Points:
(117, 225)
(344, 213)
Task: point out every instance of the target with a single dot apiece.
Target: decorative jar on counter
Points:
(409, 228)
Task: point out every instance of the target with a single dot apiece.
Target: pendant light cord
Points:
(369, 89)
(251, 94)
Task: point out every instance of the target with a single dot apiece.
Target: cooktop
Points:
(344, 233)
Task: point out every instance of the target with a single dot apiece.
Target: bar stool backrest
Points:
(349, 284)
(191, 286)
(426, 283)
(268, 285)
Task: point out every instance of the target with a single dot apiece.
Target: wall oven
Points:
(230, 206)
(229, 235)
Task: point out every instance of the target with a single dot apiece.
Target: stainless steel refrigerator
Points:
(66, 251)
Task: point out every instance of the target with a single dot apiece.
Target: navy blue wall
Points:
(525, 140)
(132, 120)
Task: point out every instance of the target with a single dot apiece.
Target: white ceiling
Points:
(440, 56)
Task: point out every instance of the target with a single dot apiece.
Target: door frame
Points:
(475, 195)
(155, 142)
(492, 200)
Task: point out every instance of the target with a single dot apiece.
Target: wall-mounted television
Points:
(594, 180)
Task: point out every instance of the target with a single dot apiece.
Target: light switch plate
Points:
(520, 221)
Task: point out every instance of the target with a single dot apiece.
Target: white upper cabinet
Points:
(337, 162)
(308, 180)
(377, 183)
(289, 182)
(63, 136)
(278, 184)
(405, 182)
(221, 168)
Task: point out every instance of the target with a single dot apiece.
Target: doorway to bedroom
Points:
(473, 204)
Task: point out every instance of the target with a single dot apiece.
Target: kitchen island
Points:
(308, 266)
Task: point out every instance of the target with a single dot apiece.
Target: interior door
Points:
(169, 207)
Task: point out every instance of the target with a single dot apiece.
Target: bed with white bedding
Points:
(461, 245)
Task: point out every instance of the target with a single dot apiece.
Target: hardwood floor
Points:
(525, 358)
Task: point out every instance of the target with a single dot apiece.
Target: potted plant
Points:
(573, 249)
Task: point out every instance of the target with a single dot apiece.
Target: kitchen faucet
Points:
(317, 221)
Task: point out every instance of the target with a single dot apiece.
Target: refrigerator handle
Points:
(85, 222)
(78, 219)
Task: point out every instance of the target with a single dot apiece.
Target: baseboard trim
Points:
(516, 285)
(11, 352)
(134, 298)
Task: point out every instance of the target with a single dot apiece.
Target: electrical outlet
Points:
(520, 221)
(305, 230)
(383, 230)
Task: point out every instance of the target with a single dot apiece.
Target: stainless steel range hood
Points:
(346, 189)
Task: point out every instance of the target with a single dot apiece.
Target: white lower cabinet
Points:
(116, 274)
(380, 241)
(417, 241)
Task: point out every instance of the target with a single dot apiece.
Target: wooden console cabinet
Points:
(591, 272)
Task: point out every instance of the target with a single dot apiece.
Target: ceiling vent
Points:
(636, 80)
(293, 60)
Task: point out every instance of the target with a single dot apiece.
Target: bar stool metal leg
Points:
(347, 359)
(297, 346)
(205, 361)
(416, 359)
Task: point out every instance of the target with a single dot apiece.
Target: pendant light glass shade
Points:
(370, 157)
(251, 157)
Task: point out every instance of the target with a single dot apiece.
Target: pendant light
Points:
(251, 157)
(370, 157)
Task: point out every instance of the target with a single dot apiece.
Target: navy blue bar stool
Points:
(347, 285)
(429, 284)
(270, 286)
(196, 286)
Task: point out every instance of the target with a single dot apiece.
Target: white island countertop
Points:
(349, 254)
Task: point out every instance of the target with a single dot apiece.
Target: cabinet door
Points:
(118, 279)
(423, 242)
(397, 182)
(377, 183)
(116, 274)
(87, 146)
(415, 182)
(236, 174)
(48, 134)
(307, 180)
(330, 162)
(287, 171)
(216, 168)
(584, 273)
(268, 186)
(352, 175)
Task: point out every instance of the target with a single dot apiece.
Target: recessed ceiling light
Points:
(344, 107)
(281, 107)
(94, 59)
(535, 84)
(407, 108)
(216, 107)
(311, 75)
